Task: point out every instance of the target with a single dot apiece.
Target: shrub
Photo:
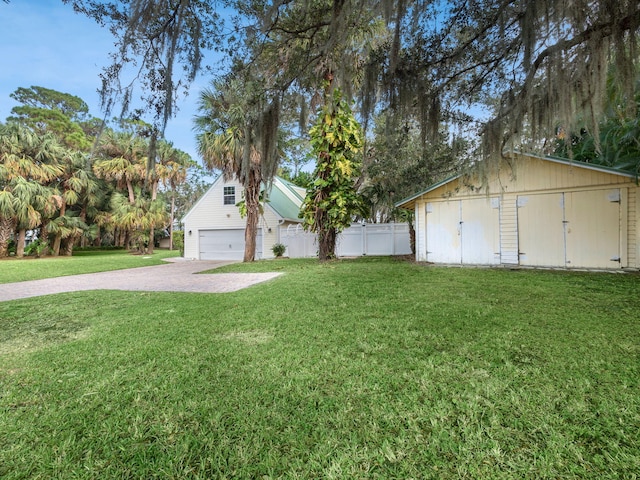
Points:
(35, 248)
(278, 249)
(178, 241)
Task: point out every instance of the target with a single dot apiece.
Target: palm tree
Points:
(75, 186)
(123, 162)
(238, 136)
(27, 162)
(172, 171)
(30, 199)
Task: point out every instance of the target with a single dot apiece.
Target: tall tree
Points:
(619, 143)
(47, 110)
(545, 60)
(159, 49)
(172, 172)
(332, 201)
(397, 164)
(238, 135)
(75, 191)
(122, 160)
(27, 161)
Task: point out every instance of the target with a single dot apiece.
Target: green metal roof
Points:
(282, 203)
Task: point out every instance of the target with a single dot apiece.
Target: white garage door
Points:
(464, 231)
(573, 229)
(226, 244)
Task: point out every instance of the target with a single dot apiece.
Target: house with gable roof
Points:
(214, 229)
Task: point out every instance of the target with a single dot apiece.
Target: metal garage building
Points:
(536, 211)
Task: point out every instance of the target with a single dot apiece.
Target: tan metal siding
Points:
(534, 174)
(531, 175)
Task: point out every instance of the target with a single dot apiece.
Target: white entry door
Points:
(592, 221)
(480, 231)
(541, 230)
(443, 232)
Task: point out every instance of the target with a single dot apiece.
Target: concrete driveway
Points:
(178, 275)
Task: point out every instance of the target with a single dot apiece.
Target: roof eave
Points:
(410, 201)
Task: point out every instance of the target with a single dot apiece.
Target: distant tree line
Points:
(68, 180)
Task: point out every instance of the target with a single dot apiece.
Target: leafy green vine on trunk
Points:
(332, 200)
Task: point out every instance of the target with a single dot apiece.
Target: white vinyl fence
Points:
(355, 241)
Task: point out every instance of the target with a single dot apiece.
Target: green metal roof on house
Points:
(564, 161)
(282, 203)
(296, 190)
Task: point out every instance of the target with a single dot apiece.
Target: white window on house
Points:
(229, 195)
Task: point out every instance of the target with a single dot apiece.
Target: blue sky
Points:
(45, 43)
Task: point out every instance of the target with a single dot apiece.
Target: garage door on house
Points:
(227, 244)
(464, 231)
(570, 229)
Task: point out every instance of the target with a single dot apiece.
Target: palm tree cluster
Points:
(66, 196)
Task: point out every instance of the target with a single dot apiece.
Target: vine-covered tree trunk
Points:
(252, 203)
(333, 200)
(326, 232)
(327, 243)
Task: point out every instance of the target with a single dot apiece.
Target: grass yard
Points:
(369, 368)
(87, 261)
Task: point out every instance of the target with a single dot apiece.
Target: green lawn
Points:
(370, 368)
(87, 261)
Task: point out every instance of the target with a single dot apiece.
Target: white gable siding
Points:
(210, 213)
(270, 227)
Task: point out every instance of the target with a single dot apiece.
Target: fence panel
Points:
(350, 241)
(357, 240)
(300, 244)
